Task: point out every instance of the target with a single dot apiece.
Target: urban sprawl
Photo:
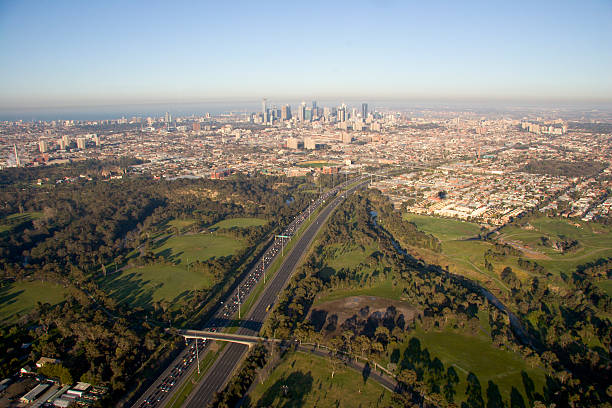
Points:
(462, 164)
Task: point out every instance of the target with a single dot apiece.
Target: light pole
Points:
(239, 301)
(310, 208)
(197, 356)
(282, 237)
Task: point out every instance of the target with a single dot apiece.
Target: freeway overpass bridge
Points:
(231, 337)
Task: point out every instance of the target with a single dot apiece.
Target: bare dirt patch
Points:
(361, 314)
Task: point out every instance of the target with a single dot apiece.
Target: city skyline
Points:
(75, 54)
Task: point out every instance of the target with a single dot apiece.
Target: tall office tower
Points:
(81, 142)
(264, 106)
(314, 105)
(302, 112)
(341, 113)
(308, 114)
(43, 146)
(96, 140)
(65, 142)
(167, 118)
(286, 113)
(327, 114)
(364, 111)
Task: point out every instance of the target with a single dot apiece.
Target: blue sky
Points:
(58, 53)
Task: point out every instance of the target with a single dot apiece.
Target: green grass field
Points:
(606, 286)
(461, 255)
(444, 229)
(239, 222)
(595, 241)
(348, 256)
(14, 220)
(181, 224)
(310, 384)
(468, 353)
(383, 289)
(141, 286)
(19, 298)
(185, 249)
(466, 257)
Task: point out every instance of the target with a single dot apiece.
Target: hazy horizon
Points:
(115, 111)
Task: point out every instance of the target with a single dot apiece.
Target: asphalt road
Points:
(220, 373)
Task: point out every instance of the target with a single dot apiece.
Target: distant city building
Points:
(286, 113)
(220, 173)
(331, 170)
(81, 142)
(292, 143)
(364, 111)
(308, 115)
(43, 146)
(64, 142)
(341, 113)
(309, 143)
(347, 138)
(196, 127)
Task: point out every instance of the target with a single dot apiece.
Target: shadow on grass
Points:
(129, 288)
(7, 298)
(290, 391)
(431, 372)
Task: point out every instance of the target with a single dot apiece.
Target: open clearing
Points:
(14, 220)
(310, 384)
(181, 224)
(184, 249)
(595, 241)
(466, 257)
(444, 229)
(362, 307)
(606, 286)
(383, 289)
(159, 282)
(19, 298)
(240, 222)
(141, 286)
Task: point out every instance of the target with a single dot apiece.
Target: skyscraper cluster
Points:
(311, 113)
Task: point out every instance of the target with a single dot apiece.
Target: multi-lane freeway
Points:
(181, 368)
(221, 371)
